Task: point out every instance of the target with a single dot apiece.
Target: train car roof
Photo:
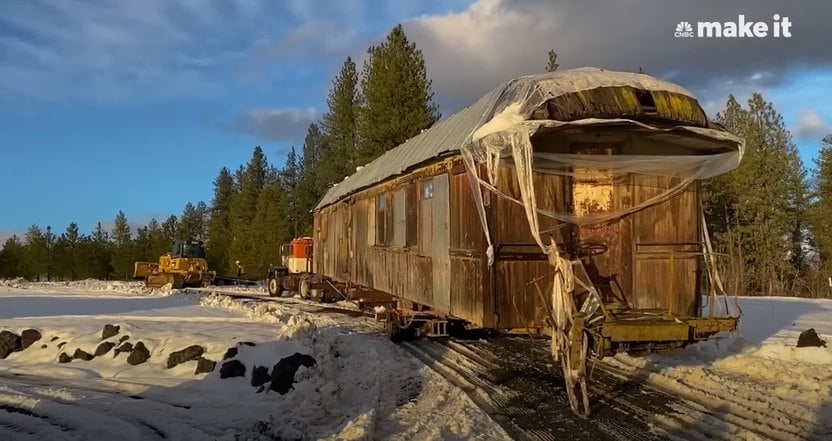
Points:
(451, 134)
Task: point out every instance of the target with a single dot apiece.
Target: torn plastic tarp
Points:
(503, 137)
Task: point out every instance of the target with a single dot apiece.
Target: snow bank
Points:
(87, 287)
(760, 373)
(361, 387)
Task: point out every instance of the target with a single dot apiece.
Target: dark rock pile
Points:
(11, 342)
(810, 337)
(138, 355)
(188, 354)
(281, 378)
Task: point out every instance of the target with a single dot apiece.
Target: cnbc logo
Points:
(742, 28)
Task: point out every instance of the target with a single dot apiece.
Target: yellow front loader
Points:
(184, 266)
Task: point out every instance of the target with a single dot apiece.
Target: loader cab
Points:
(191, 248)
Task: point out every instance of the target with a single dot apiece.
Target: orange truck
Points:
(295, 271)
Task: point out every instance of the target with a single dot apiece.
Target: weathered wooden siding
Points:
(469, 284)
(521, 272)
(431, 251)
(670, 227)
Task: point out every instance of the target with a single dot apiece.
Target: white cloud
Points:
(469, 52)
(810, 126)
(276, 124)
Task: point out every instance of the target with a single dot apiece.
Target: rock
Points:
(63, 358)
(260, 376)
(283, 373)
(230, 353)
(123, 338)
(125, 347)
(190, 353)
(81, 355)
(103, 348)
(109, 331)
(44, 346)
(232, 368)
(54, 338)
(61, 344)
(28, 337)
(204, 366)
(139, 355)
(247, 343)
(9, 342)
(810, 337)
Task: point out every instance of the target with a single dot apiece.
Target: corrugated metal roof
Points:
(453, 133)
(446, 136)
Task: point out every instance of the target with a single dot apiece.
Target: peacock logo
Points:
(683, 30)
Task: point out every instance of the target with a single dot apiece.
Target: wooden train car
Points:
(460, 224)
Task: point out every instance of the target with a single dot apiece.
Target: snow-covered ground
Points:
(362, 386)
(758, 375)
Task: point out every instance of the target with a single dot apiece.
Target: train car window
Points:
(427, 189)
(371, 222)
(381, 213)
(426, 218)
(411, 218)
(399, 218)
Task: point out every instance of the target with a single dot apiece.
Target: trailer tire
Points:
(275, 286)
(303, 288)
(394, 333)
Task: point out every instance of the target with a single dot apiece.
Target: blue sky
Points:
(134, 106)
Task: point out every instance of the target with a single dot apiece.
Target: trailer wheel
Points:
(275, 286)
(303, 288)
(394, 333)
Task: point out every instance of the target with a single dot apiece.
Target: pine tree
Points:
(12, 258)
(552, 65)
(219, 223)
(290, 178)
(158, 243)
(819, 217)
(66, 253)
(143, 246)
(340, 125)
(272, 229)
(168, 232)
(756, 211)
(203, 215)
(101, 252)
(720, 195)
(122, 256)
(311, 186)
(190, 223)
(36, 253)
(244, 205)
(50, 248)
(397, 96)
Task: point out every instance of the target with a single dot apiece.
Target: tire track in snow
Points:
(519, 389)
(88, 413)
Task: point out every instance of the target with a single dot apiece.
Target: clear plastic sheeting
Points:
(504, 133)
